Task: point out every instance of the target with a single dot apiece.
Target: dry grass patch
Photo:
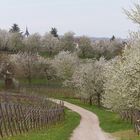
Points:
(126, 135)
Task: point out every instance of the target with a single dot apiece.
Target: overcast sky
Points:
(96, 18)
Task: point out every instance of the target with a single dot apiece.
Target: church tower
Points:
(26, 32)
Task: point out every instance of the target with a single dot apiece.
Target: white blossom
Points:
(65, 64)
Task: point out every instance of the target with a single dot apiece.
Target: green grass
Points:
(61, 131)
(47, 54)
(41, 82)
(1, 84)
(109, 121)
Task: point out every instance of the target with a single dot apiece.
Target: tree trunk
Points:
(99, 100)
(29, 80)
(90, 100)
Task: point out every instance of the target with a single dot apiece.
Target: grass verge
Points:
(109, 121)
(60, 131)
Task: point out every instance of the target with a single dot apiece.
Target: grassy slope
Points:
(61, 131)
(110, 122)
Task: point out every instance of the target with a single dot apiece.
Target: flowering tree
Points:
(23, 64)
(107, 48)
(43, 68)
(31, 66)
(4, 39)
(15, 41)
(65, 64)
(134, 13)
(88, 79)
(85, 46)
(67, 42)
(3, 63)
(122, 84)
(50, 44)
(32, 43)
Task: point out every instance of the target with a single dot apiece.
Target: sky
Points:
(94, 18)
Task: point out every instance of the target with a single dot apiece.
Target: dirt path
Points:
(89, 128)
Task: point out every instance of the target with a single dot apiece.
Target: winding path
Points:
(89, 128)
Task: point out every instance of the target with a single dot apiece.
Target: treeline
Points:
(51, 43)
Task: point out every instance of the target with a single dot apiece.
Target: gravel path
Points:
(89, 128)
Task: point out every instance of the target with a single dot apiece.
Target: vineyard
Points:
(132, 116)
(21, 113)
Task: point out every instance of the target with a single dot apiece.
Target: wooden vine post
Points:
(8, 80)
